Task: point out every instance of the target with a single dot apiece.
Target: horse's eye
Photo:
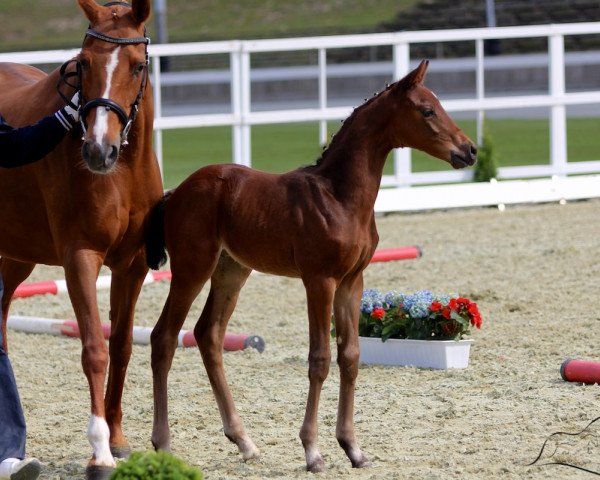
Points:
(428, 113)
(139, 68)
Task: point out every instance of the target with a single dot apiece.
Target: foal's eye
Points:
(428, 113)
(139, 68)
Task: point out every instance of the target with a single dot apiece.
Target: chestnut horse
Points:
(316, 223)
(84, 205)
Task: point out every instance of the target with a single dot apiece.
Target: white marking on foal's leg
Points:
(98, 435)
(101, 125)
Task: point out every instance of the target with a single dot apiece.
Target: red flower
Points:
(446, 313)
(453, 304)
(436, 306)
(378, 313)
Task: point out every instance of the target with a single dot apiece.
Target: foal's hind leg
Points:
(346, 309)
(188, 279)
(226, 282)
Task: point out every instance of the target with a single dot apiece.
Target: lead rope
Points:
(565, 464)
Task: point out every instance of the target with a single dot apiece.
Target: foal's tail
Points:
(156, 254)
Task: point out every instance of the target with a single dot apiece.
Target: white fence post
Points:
(236, 106)
(480, 88)
(240, 105)
(402, 156)
(157, 94)
(558, 114)
(245, 89)
(322, 94)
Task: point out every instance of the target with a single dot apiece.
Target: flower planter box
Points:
(439, 354)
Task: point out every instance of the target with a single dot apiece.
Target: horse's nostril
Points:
(114, 153)
(473, 151)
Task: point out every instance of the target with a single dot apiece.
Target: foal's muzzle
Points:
(466, 156)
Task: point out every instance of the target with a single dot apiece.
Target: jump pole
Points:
(581, 371)
(54, 287)
(141, 335)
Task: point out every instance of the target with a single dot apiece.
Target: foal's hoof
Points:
(120, 451)
(317, 466)
(98, 472)
(362, 463)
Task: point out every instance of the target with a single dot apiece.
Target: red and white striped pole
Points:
(141, 335)
(54, 287)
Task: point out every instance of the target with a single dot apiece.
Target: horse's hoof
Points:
(120, 451)
(98, 472)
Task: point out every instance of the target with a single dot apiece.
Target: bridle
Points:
(110, 105)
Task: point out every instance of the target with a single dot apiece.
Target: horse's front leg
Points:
(81, 270)
(319, 295)
(13, 273)
(346, 308)
(124, 291)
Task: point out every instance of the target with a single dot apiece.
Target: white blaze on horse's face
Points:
(101, 124)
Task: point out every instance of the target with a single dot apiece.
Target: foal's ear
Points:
(91, 10)
(140, 10)
(415, 77)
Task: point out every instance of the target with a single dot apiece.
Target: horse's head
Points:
(425, 125)
(113, 69)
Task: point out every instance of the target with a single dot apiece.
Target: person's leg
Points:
(13, 464)
(12, 433)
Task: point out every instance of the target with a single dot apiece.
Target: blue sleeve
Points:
(21, 146)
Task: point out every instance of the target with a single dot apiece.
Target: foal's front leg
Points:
(319, 295)
(346, 308)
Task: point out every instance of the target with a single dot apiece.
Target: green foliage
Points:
(155, 466)
(486, 167)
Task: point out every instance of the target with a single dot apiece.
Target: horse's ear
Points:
(141, 10)
(91, 10)
(415, 77)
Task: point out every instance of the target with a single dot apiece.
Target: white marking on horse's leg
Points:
(101, 125)
(98, 435)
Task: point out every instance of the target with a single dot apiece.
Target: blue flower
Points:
(371, 299)
(418, 303)
(394, 298)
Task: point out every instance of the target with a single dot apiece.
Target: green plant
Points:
(486, 167)
(421, 316)
(154, 466)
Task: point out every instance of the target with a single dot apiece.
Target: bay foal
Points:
(316, 223)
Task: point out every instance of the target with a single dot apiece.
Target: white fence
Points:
(241, 117)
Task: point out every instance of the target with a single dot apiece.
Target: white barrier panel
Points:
(492, 193)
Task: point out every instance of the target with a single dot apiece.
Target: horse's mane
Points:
(347, 125)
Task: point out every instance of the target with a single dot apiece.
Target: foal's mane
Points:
(347, 124)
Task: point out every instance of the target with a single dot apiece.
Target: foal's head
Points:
(422, 122)
(113, 73)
